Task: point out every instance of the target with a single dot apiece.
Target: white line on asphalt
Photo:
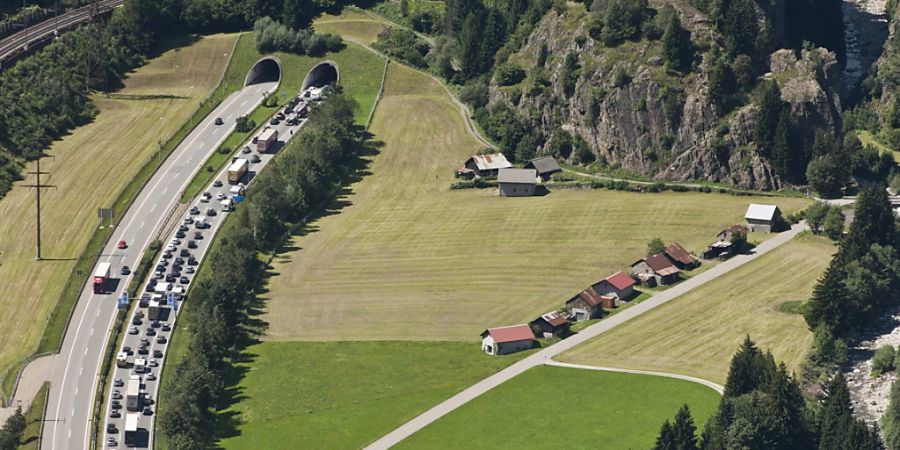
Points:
(142, 225)
(80, 371)
(76, 391)
(85, 350)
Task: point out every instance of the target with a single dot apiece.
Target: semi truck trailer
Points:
(236, 170)
(266, 140)
(100, 277)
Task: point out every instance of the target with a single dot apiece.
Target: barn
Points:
(680, 257)
(517, 182)
(506, 340)
(619, 285)
(764, 218)
(553, 323)
(487, 165)
(588, 304)
(545, 167)
(658, 266)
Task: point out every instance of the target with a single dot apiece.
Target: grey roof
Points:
(761, 212)
(544, 165)
(521, 176)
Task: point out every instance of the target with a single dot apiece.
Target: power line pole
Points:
(38, 186)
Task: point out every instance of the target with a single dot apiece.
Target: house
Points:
(764, 218)
(487, 165)
(726, 234)
(657, 266)
(506, 340)
(545, 167)
(517, 182)
(618, 285)
(680, 257)
(719, 249)
(553, 323)
(588, 304)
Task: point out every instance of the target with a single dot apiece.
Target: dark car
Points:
(274, 121)
(279, 116)
(111, 428)
(194, 211)
(148, 411)
(128, 350)
(179, 260)
(170, 278)
(192, 261)
(151, 332)
(160, 339)
(245, 150)
(255, 159)
(157, 353)
(211, 212)
(219, 121)
(150, 377)
(255, 139)
(155, 324)
(198, 235)
(217, 183)
(191, 244)
(116, 404)
(114, 414)
(125, 270)
(180, 234)
(149, 288)
(184, 280)
(167, 255)
(166, 327)
(143, 351)
(182, 227)
(184, 252)
(136, 320)
(118, 382)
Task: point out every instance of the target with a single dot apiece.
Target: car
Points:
(143, 351)
(139, 313)
(157, 353)
(170, 248)
(170, 278)
(114, 414)
(217, 183)
(220, 196)
(255, 140)
(279, 116)
(111, 428)
(136, 320)
(145, 341)
(153, 363)
(274, 121)
(127, 349)
(184, 280)
(189, 270)
(122, 245)
(191, 244)
(148, 411)
(118, 382)
(176, 241)
(133, 330)
(198, 235)
(150, 377)
(116, 395)
(246, 149)
(194, 211)
(116, 404)
(180, 234)
(160, 339)
(167, 254)
(159, 275)
(166, 327)
(150, 288)
(192, 261)
(255, 159)
(189, 220)
(125, 270)
(219, 121)
(204, 198)
(211, 212)
(182, 227)
(155, 324)
(179, 260)
(111, 442)
(151, 332)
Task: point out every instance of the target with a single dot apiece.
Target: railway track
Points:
(22, 41)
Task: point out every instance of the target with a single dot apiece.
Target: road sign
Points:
(105, 213)
(283, 94)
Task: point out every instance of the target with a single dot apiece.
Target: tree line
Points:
(296, 186)
(763, 408)
(273, 36)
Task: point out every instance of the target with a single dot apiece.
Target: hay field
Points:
(90, 166)
(410, 259)
(698, 333)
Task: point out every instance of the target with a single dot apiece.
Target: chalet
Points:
(680, 257)
(764, 218)
(545, 167)
(486, 165)
(719, 249)
(506, 340)
(658, 266)
(517, 182)
(588, 304)
(618, 285)
(728, 233)
(553, 323)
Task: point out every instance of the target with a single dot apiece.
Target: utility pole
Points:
(37, 190)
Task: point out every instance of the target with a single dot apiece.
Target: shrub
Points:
(883, 361)
(245, 124)
(475, 93)
(509, 74)
(271, 36)
(426, 21)
(403, 45)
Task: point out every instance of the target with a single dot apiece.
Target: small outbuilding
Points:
(719, 249)
(506, 340)
(487, 165)
(764, 218)
(658, 266)
(588, 304)
(553, 323)
(727, 234)
(618, 285)
(545, 167)
(680, 257)
(517, 182)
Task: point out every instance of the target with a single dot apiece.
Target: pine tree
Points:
(770, 106)
(749, 370)
(827, 306)
(891, 419)
(666, 438)
(837, 414)
(404, 8)
(677, 48)
(740, 28)
(493, 36)
(787, 411)
(781, 146)
(470, 43)
(873, 223)
(684, 431)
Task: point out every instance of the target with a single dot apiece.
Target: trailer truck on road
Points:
(133, 395)
(266, 139)
(131, 429)
(100, 277)
(236, 170)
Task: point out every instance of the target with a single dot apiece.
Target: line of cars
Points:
(144, 347)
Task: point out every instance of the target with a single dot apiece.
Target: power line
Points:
(38, 186)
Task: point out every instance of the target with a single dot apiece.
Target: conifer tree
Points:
(677, 48)
(826, 307)
(666, 438)
(749, 370)
(873, 223)
(683, 430)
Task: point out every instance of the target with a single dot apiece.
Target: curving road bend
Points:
(76, 369)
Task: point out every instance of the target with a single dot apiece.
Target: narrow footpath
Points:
(544, 356)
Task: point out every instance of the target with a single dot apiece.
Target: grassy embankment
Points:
(867, 138)
(355, 64)
(698, 333)
(34, 417)
(97, 165)
(568, 408)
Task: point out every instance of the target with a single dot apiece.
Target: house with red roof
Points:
(588, 304)
(506, 340)
(618, 285)
(680, 257)
(657, 267)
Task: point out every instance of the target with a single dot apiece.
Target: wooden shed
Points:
(763, 218)
(588, 304)
(659, 267)
(506, 340)
(680, 257)
(517, 182)
(545, 167)
(553, 323)
(619, 285)
(487, 165)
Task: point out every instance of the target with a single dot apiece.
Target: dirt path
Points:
(714, 386)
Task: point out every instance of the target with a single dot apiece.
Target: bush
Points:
(475, 94)
(426, 21)
(883, 361)
(509, 74)
(272, 36)
(403, 45)
(245, 124)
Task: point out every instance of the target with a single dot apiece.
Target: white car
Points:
(205, 197)
(220, 196)
(170, 248)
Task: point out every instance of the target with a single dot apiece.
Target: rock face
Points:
(641, 118)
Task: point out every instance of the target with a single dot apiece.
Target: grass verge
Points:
(574, 408)
(34, 420)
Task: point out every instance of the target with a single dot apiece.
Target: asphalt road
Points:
(544, 356)
(146, 421)
(75, 373)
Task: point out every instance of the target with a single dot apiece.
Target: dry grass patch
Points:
(90, 166)
(410, 259)
(698, 333)
(352, 25)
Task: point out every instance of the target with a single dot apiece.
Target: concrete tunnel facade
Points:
(325, 72)
(266, 70)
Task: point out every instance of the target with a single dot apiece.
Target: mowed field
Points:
(89, 167)
(408, 258)
(698, 333)
(352, 25)
(341, 395)
(555, 407)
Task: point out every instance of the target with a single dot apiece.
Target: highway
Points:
(158, 338)
(75, 372)
(39, 32)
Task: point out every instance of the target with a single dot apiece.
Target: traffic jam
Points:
(129, 415)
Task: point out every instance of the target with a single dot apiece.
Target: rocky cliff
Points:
(639, 117)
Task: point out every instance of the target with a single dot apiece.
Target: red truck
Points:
(100, 277)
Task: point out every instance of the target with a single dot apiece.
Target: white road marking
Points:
(142, 225)
(76, 391)
(92, 331)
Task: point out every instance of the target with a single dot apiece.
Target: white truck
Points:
(133, 395)
(140, 365)
(266, 139)
(226, 204)
(100, 277)
(131, 429)
(122, 359)
(237, 169)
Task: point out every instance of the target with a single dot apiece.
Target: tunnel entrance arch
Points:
(266, 70)
(325, 72)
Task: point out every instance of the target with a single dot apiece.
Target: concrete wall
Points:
(516, 190)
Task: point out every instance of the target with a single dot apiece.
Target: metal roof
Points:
(268, 134)
(678, 253)
(491, 162)
(519, 176)
(510, 334)
(620, 280)
(760, 212)
(544, 165)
